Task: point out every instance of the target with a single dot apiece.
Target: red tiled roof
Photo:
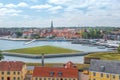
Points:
(46, 71)
(11, 66)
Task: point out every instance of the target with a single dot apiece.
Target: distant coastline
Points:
(23, 39)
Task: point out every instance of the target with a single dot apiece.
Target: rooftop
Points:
(55, 72)
(107, 66)
(11, 65)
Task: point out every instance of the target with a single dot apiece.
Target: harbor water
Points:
(7, 45)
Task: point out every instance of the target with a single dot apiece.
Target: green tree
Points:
(35, 36)
(85, 35)
(19, 34)
(1, 56)
(118, 49)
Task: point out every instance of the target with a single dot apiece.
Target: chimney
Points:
(42, 59)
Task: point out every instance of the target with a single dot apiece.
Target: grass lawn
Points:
(105, 55)
(79, 66)
(42, 49)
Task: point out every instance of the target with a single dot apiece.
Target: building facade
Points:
(55, 73)
(104, 70)
(12, 70)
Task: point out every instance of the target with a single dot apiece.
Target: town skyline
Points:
(65, 13)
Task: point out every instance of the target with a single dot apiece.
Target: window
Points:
(14, 73)
(101, 74)
(65, 79)
(53, 79)
(18, 73)
(59, 73)
(2, 78)
(102, 68)
(119, 76)
(57, 78)
(36, 78)
(94, 79)
(40, 78)
(8, 72)
(113, 76)
(2, 73)
(94, 74)
(14, 78)
(49, 79)
(51, 73)
(107, 75)
(44, 78)
(18, 78)
(69, 78)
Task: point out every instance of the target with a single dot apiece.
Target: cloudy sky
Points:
(39, 13)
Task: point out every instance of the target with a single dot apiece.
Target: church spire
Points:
(51, 26)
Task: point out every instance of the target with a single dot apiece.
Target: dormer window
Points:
(102, 68)
(51, 73)
(59, 73)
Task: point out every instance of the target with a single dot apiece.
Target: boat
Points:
(30, 41)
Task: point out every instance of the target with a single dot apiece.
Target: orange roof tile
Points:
(55, 72)
(11, 66)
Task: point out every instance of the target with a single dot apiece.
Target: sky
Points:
(64, 13)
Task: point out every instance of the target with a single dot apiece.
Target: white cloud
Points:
(22, 4)
(54, 9)
(71, 12)
(10, 5)
(41, 6)
(59, 1)
(15, 14)
(6, 11)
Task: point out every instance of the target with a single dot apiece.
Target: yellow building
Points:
(67, 72)
(104, 70)
(12, 70)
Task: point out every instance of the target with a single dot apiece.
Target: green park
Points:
(42, 49)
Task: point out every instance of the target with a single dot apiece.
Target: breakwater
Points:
(46, 55)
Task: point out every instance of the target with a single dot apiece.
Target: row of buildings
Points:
(98, 70)
(10, 70)
(62, 33)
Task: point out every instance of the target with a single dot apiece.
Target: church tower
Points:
(51, 26)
